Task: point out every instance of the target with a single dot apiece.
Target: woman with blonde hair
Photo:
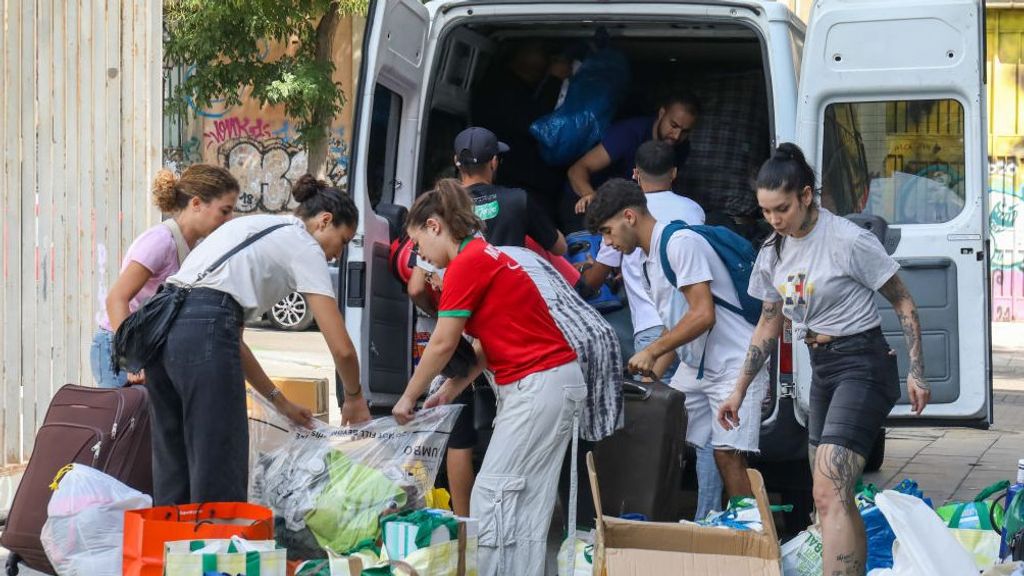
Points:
(198, 202)
(540, 385)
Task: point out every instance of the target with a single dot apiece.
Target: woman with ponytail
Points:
(198, 202)
(539, 383)
(821, 271)
(197, 381)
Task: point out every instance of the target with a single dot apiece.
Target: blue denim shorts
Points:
(99, 360)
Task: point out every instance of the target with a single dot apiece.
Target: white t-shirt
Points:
(827, 280)
(694, 261)
(665, 207)
(286, 260)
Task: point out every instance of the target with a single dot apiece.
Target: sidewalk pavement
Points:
(956, 463)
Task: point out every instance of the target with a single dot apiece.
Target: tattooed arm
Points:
(762, 344)
(906, 311)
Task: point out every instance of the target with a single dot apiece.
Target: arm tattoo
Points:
(896, 292)
(770, 310)
(757, 355)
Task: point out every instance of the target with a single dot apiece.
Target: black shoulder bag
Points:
(142, 334)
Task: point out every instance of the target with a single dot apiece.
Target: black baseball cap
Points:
(476, 145)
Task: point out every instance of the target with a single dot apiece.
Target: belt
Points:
(815, 340)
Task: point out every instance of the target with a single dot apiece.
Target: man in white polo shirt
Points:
(655, 171)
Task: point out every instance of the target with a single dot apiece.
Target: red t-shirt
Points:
(505, 312)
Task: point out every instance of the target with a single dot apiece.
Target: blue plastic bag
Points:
(590, 105)
(880, 535)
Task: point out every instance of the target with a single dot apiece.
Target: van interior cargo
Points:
(721, 63)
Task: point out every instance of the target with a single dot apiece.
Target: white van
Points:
(886, 97)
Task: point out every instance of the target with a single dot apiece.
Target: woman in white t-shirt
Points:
(199, 201)
(197, 382)
(822, 271)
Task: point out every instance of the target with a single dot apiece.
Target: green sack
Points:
(977, 514)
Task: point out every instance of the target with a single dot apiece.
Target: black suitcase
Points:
(107, 429)
(640, 466)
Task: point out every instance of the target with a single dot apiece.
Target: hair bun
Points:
(165, 191)
(307, 187)
(788, 151)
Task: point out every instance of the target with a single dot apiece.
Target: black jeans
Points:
(854, 385)
(197, 405)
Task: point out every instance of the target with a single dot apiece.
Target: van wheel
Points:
(291, 313)
(874, 461)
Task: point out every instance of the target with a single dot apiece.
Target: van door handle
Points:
(355, 284)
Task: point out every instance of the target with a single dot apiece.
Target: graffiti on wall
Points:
(1006, 227)
(266, 170)
(235, 128)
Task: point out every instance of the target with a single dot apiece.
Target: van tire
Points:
(877, 456)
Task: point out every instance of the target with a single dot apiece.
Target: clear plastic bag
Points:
(84, 531)
(329, 486)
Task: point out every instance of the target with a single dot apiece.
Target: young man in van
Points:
(655, 172)
(617, 150)
(510, 215)
(711, 341)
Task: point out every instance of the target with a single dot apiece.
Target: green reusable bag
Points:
(978, 514)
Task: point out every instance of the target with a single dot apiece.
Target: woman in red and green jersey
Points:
(539, 383)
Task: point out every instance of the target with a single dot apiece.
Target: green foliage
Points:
(227, 43)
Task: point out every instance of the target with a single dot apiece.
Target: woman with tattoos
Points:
(821, 271)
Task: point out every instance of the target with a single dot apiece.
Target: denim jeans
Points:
(197, 405)
(99, 359)
(645, 338)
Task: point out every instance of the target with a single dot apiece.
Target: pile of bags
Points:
(907, 537)
(357, 497)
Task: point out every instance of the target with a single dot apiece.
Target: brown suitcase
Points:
(107, 429)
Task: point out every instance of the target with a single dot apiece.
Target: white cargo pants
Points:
(514, 494)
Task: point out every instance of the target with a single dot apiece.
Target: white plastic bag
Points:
(801, 556)
(584, 565)
(84, 532)
(924, 546)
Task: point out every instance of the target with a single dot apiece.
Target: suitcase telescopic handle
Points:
(636, 389)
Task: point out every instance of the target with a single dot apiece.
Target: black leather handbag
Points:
(143, 333)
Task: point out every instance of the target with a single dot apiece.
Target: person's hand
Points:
(729, 411)
(582, 203)
(355, 410)
(137, 377)
(442, 397)
(582, 266)
(297, 414)
(642, 363)
(404, 410)
(919, 394)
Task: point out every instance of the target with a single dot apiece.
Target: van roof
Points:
(755, 5)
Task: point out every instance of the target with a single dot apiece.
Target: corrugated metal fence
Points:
(80, 119)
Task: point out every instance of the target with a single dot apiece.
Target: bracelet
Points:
(274, 394)
(354, 395)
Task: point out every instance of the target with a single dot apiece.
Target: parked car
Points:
(292, 313)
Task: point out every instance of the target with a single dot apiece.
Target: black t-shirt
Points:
(510, 216)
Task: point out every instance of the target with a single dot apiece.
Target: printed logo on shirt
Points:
(486, 211)
(797, 289)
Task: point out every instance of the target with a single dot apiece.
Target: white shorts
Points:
(703, 397)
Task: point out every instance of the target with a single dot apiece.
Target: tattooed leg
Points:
(836, 470)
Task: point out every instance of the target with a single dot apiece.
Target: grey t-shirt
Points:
(826, 280)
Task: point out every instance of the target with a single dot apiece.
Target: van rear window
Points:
(901, 160)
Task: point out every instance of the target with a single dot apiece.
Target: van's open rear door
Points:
(382, 169)
(891, 112)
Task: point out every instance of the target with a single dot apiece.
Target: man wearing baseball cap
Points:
(509, 213)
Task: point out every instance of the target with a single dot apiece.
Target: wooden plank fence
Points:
(80, 122)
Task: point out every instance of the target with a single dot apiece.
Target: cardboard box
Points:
(312, 393)
(631, 548)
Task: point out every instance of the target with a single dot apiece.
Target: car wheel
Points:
(291, 313)
(877, 457)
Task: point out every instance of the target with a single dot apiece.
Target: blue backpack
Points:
(735, 252)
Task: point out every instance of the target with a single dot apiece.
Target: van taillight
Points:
(786, 349)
